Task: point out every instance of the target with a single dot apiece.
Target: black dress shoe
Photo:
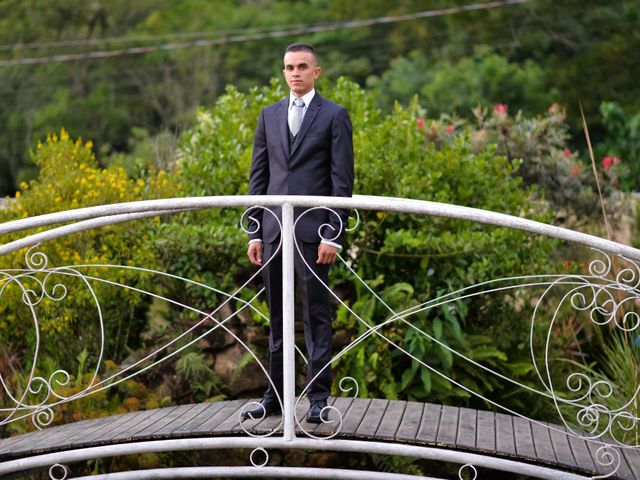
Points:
(317, 412)
(266, 408)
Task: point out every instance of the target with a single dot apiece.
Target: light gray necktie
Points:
(296, 116)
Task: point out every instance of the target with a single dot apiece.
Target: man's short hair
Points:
(302, 47)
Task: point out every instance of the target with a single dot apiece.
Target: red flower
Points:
(501, 109)
(610, 160)
(566, 152)
(420, 122)
(575, 170)
(451, 128)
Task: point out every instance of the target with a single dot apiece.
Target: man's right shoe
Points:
(266, 408)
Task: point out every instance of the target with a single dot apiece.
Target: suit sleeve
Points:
(341, 168)
(259, 177)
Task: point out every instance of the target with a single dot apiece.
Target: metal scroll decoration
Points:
(39, 282)
(607, 299)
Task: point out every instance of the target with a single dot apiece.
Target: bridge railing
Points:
(606, 296)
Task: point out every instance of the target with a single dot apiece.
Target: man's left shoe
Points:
(317, 412)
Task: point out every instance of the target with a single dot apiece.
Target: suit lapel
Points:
(312, 111)
(284, 126)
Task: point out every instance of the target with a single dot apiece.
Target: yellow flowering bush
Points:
(70, 177)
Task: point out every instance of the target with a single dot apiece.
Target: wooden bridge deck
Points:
(474, 431)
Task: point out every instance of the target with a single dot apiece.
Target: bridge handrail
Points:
(93, 217)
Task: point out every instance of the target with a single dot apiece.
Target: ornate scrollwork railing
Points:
(606, 297)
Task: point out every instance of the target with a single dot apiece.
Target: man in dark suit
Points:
(303, 146)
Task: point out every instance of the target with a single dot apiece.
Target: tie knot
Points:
(298, 102)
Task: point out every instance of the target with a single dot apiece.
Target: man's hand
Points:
(326, 254)
(255, 253)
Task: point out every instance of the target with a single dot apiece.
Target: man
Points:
(303, 146)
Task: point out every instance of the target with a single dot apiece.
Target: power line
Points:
(298, 30)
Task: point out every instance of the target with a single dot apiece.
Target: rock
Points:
(239, 373)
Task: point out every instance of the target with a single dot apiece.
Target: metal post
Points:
(288, 320)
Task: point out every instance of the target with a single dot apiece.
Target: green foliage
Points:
(617, 355)
(70, 178)
(398, 465)
(537, 147)
(195, 370)
(128, 396)
(456, 86)
(406, 258)
(622, 144)
(534, 44)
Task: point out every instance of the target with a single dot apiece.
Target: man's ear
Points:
(317, 72)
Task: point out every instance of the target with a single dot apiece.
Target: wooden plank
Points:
(561, 447)
(581, 453)
(180, 419)
(505, 435)
(448, 425)
(429, 424)
(25, 442)
(17, 442)
(486, 432)
(186, 428)
(157, 429)
(524, 438)
(623, 471)
(231, 424)
(366, 418)
(135, 429)
(467, 428)
(633, 459)
(220, 416)
(87, 433)
(354, 416)
(372, 418)
(64, 436)
(342, 404)
(542, 443)
(135, 424)
(410, 423)
(391, 420)
(129, 420)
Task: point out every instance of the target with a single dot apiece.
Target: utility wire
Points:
(301, 30)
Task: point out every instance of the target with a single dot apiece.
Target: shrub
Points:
(456, 87)
(71, 178)
(537, 149)
(620, 149)
(407, 259)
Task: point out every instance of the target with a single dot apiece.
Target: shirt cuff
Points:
(254, 240)
(333, 244)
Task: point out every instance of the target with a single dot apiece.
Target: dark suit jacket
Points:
(318, 162)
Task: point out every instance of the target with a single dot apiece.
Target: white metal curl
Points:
(471, 468)
(253, 460)
(58, 466)
(607, 456)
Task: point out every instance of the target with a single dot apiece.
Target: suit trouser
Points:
(316, 316)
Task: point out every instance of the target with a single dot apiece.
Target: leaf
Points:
(437, 328)
(407, 377)
(425, 376)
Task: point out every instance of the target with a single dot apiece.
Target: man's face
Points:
(300, 72)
